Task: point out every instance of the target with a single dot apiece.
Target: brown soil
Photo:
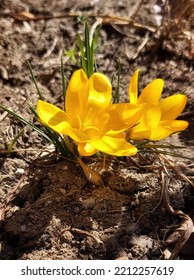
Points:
(48, 208)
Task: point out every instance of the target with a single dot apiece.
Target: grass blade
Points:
(33, 110)
(10, 147)
(165, 153)
(117, 91)
(49, 135)
(64, 80)
(35, 82)
(81, 48)
(87, 51)
(96, 36)
(20, 118)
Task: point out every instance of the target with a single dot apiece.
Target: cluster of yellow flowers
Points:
(96, 124)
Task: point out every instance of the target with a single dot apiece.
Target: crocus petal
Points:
(148, 124)
(133, 87)
(122, 116)
(100, 90)
(96, 117)
(77, 135)
(150, 117)
(152, 92)
(76, 97)
(172, 106)
(114, 146)
(91, 131)
(100, 120)
(86, 149)
(160, 132)
(175, 125)
(138, 135)
(53, 116)
(151, 134)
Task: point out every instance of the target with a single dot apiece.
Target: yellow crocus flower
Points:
(158, 120)
(90, 119)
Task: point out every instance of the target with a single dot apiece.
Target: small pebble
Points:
(88, 203)
(63, 191)
(19, 172)
(23, 228)
(67, 236)
(77, 210)
(65, 167)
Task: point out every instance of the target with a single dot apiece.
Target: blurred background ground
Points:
(52, 212)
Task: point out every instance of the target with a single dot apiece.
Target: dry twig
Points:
(10, 196)
(105, 19)
(84, 232)
(177, 169)
(185, 229)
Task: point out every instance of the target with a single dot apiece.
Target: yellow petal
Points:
(150, 117)
(147, 127)
(172, 106)
(114, 146)
(133, 87)
(138, 135)
(160, 132)
(100, 119)
(95, 117)
(53, 116)
(91, 131)
(86, 149)
(77, 135)
(152, 92)
(100, 91)
(76, 97)
(153, 134)
(123, 116)
(175, 125)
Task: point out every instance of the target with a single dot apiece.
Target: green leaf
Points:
(164, 153)
(87, 50)
(64, 80)
(35, 82)
(96, 36)
(49, 135)
(20, 118)
(87, 47)
(33, 110)
(81, 48)
(71, 54)
(117, 91)
(10, 147)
